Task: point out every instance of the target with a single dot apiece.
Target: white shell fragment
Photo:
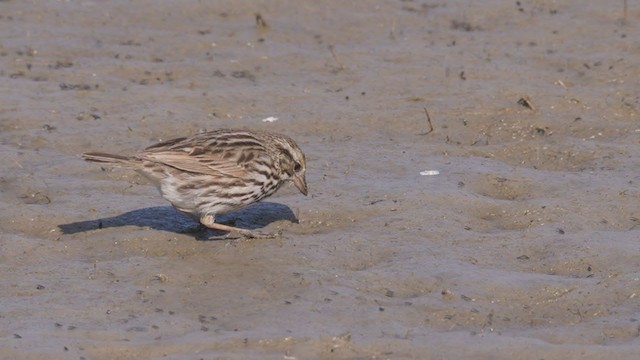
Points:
(270, 119)
(429, 172)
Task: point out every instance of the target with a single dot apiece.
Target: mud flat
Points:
(520, 242)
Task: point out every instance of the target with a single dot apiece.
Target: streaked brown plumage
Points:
(215, 172)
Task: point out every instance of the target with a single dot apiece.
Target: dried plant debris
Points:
(526, 102)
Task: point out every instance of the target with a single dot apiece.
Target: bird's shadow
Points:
(166, 218)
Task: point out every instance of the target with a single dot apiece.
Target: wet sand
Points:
(524, 245)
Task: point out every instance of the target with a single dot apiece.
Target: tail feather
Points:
(106, 158)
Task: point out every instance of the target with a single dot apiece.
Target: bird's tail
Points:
(107, 158)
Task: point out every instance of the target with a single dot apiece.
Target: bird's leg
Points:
(209, 221)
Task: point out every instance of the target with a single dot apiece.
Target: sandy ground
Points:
(526, 245)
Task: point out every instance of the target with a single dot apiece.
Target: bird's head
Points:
(292, 162)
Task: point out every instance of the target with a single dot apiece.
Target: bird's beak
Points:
(301, 183)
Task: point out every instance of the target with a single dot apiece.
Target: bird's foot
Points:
(209, 222)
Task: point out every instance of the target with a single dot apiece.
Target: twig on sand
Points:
(526, 102)
(426, 112)
(335, 57)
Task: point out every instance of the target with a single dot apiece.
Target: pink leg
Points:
(209, 221)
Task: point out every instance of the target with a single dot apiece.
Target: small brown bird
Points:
(218, 171)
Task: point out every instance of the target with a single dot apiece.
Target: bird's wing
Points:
(206, 161)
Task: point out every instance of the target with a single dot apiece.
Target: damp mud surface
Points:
(520, 239)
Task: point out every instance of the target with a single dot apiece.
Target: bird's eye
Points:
(297, 167)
